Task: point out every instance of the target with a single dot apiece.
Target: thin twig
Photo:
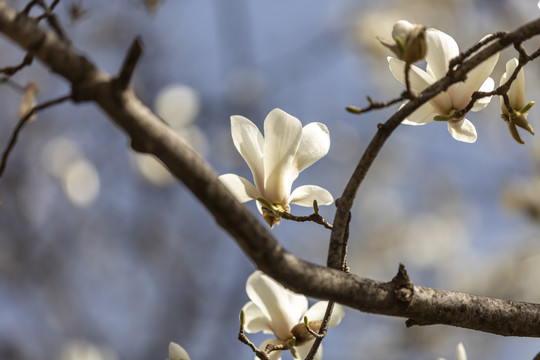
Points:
(29, 6)
(322, 331)
(504, 88)
(464, 55)
(20, 125)
(7, 80)
(244, 339)
(407, 79)
(344, 266)
(316, 218)
(373, 105)
(276, 347)
(48, 14)
(330, 307)
(311, 331)
(10, 70)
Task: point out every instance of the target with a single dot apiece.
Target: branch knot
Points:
(403, 286)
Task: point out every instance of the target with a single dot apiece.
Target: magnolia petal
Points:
(240, 187)
(461, 92)
(317, 311)
(421, 116)
(314, 145)
(441, 49)
(303, 350)
(275, 302)
(304, 196)
(299, 302)
(249, 142)
(283, 133)
(256, 319)
(516, 94)
(462, 130)
(460, 352)
(274, 355)
(337, 315)
(176, 352)
(487, 86)
(418, 78)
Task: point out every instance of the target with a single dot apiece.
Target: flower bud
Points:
(28, 101)
(409, 41)
(518, 111)
(302, 334)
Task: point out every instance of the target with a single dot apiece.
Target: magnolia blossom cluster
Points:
(286, 148)
(277, 158)
(281, 312)
(441, 48)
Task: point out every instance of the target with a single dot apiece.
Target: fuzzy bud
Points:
(409, 41)
(302, 334)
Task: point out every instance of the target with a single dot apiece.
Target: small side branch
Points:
(322, 331)
(48, 14)
(244, 339)
(130, 62)
(502, 90)
(403, 286)
(276, 214)
(7, 80)
(316, 218)
(311, 331)
(458, 60)
(20, 125)
(10, 70)
(373, 105)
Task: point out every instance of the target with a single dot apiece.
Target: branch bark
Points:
(148, 134)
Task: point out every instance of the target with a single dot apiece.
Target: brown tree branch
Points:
(148, 134)
(128, 67)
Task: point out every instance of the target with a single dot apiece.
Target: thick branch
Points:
(149, 134)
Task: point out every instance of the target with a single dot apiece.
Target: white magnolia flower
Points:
(460, 353)
(518, 102)
(176, 352)
(441, 49)
(276, 310)
(276, 160)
